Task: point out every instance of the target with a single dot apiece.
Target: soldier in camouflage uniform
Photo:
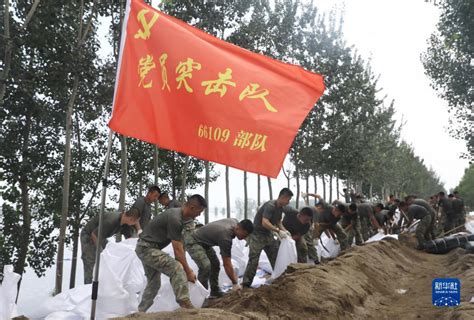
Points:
(267, 224)
(350, 222)
(113, 223)
(298, 224)
(164, 229)
(423, 229)
(218, 233)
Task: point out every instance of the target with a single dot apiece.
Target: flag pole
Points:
(95, 282)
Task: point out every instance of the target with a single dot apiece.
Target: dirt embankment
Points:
(382, 280)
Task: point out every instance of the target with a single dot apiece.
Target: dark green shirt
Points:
(416, 212)
(270, 211)
(218, 233)
(145, 211)
(164, 227)
(293, 225)
(110, 226)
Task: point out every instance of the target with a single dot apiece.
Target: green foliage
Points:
(449, 62)
(466, 187)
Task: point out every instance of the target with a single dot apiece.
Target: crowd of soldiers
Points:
(349, 222)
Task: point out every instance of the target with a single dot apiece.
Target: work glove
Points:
(276, 235)
(283, 234)
(236, 287)
(381, 231)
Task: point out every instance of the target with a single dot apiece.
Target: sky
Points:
(392, 34)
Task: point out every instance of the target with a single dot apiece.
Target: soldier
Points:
(328, 216)
(298, 224)
(415, 211)
(367, 219)
(459, 210)
(350, 222)
(112, 223)
(382, 216)
(167, 203)
(447, 214)
(164, 229)
(267, 224)
(143, 204)
(347, 195)
(425, 204)
(218, 233)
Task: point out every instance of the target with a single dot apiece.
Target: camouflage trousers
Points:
(258, 242)
(365, 228)
(156, 262)
(354, 231)
(88, 257)
(310, 244)
(207, 261)
(301, 250)
(187, 233)
(423, 230)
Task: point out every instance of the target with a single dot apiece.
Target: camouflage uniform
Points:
(188, 230)
(423, 230)
(310, 244)
(302, 250)
(353, 231)
(207, 261)
(156, 262)
(339, 232)
(257, 243)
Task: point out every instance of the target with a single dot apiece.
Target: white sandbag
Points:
(165, 300)
(332, 246)
(240, 253)
(286, 255)
(63, 315)
(8, 292)
(264, 263)
(470, 226)
(380, 236)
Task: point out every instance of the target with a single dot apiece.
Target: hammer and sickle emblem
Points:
(145, 33)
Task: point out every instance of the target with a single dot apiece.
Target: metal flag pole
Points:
(95, 282)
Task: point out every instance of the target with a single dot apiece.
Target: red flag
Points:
(185, 90)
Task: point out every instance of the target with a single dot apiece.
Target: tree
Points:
(448, 61)
(466, 187)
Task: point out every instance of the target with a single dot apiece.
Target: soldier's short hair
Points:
(285, 192)
(197, 200)
(379, 205)
(133, 213)
(154, 189)
(307, 211)
(353, 207)
(341, 208)
(246, 225)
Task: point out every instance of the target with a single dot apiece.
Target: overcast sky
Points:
(392, 34)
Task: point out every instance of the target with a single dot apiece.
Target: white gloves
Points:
(284, 234)
(381, 231)
(236, 287)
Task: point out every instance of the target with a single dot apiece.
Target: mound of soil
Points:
(382, 280)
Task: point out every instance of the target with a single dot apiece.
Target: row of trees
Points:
(56, 93)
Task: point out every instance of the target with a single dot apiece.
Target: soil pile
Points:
(382, 280)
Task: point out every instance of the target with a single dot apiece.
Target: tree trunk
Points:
(370, 192)
(307, 189)
(337, 186)
(65, 196)
(25, 204)
(270, 191)
(206, 194)
(173, 174)
(7, 57)
(156, 172)
(227, 190)
(77, 216)
(123, 179)
(330, 188)
(297, 174)
(183, 179)
(258, 190)
(315, 178)
(324, 187)
(245, 196)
